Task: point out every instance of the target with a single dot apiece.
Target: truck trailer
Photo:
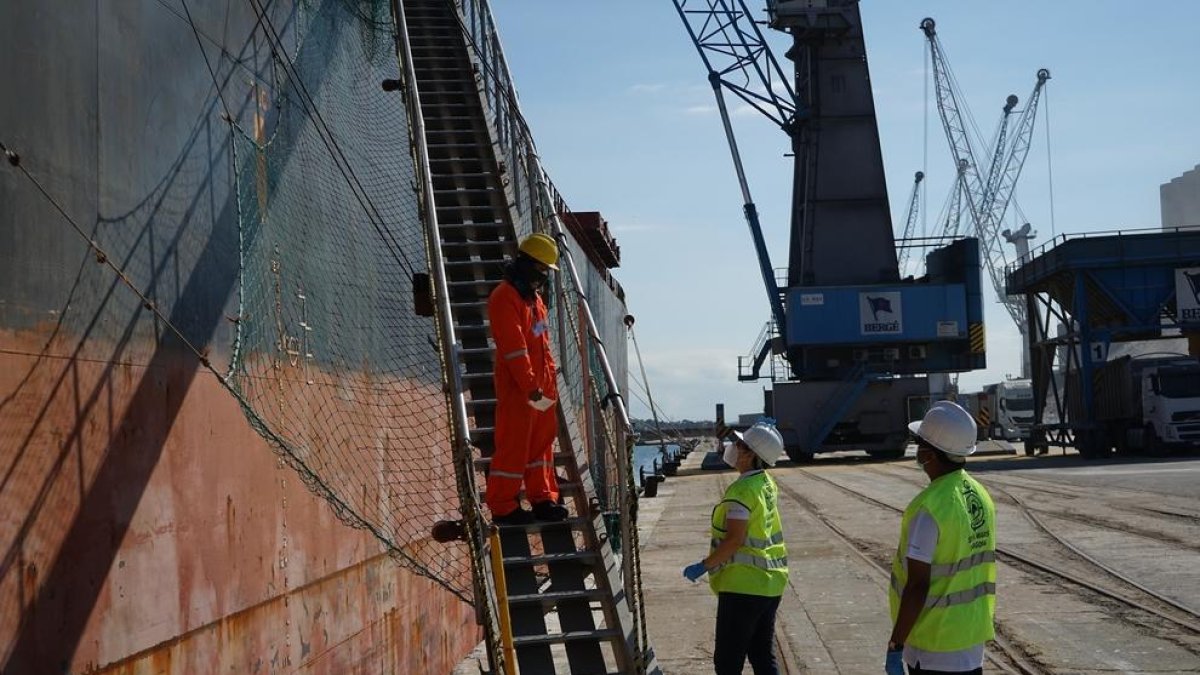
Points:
(1140, 405)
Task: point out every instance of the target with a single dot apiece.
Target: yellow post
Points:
(502, 600)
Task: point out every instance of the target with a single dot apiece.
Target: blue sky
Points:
(625, 123)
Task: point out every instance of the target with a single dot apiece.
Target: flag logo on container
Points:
(880, 313)
(1187, 295)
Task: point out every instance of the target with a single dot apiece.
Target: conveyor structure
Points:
(1086, 293)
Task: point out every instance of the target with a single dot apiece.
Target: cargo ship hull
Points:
(147, 525)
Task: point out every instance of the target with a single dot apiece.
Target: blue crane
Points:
(857, 338)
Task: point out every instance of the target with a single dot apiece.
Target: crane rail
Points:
(1015, 661)
(1008, 553)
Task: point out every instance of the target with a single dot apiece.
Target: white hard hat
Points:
(764, 440)
(949, 428)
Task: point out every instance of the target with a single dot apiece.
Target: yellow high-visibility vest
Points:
(759, 567)
(961, 604)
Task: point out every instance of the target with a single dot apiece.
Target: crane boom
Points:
(914, 208)
(987, 200)
(954, 212)
(737, 55)
(730, 43)
(999, 148)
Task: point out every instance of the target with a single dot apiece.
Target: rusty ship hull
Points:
(147, 525)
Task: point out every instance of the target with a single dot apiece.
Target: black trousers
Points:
(745, 628)
(917, 670)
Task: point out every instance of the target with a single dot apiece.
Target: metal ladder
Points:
(564, 614)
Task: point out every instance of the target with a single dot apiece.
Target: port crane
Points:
(987, 196)
(847, 324)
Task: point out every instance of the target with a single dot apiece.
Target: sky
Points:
(626, 124)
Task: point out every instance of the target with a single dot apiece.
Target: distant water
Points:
(644, 456)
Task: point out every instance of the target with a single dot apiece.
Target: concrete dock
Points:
(1072, 535)
(1138, 517)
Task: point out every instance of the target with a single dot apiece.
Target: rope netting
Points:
(330, 360)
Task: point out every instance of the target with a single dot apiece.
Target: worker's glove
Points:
(894, 663)
(694, 571)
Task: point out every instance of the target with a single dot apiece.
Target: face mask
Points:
(730, 455)
(537, 277)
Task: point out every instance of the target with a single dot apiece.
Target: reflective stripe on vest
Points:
(957, 598)
(759, 566)
(776, 538)
(960, 606)
(964, 564)
(762, 563)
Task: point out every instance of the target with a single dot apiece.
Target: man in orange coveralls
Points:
(526, 389)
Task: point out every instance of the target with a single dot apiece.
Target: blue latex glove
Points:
(894, 664)
(694, 571)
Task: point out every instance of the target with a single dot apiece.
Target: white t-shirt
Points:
(922, 540)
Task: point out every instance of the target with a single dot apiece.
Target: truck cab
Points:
(1013, 416)
(1170, 398)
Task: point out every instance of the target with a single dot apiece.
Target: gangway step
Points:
(555, 597)
(582, 556)
(560, 458)
(566, 488)
(604, 634)
(472, 224)
(575, 523)
(478, 351)
(486, 261)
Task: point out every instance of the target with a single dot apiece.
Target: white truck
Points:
(1147, 404)
(1010, 409)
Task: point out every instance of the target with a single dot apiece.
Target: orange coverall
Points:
(524, 445)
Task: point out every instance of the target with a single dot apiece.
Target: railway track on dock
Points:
(1191, 618)
(1171, 611)
(1011, 658)
(1118, 500)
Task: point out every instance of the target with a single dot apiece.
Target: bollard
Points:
(650, 487)
(670, 464)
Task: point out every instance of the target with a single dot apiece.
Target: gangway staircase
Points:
(567, 610)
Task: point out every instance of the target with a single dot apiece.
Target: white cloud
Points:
(706, 109)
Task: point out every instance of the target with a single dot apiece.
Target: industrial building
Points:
(1180, 199)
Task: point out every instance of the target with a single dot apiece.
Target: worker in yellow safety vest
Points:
(943, 591)
(747, 559)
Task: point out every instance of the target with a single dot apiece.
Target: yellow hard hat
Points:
(541, 247)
